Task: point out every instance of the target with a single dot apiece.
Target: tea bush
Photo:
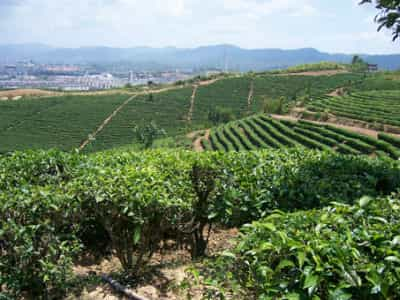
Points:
(37, 241)
(133, 201)
(339, 252)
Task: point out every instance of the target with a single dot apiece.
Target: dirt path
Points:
(165, 271)
(105, 122)
(197, 146)
(192, 100)
(250, 97)
(118, 109)
(364, 131)
(336, 93)
(208, 82)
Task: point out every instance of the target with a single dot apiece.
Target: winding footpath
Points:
(192, 100)
(197, 146)
(105, 122)
(251, 94)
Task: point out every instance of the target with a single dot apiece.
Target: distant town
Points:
(27, 74)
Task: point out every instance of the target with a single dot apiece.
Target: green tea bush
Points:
(130, 202)
(339, 252)
(37, 241)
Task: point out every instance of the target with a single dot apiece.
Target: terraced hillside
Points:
(264, 132)
(167, 109)
(292, 87)
(379, 107)
(229, 93)
(56, 122)
(65, 122)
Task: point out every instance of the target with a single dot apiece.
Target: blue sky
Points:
(328, 25)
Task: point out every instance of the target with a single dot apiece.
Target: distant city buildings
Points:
(27, 74)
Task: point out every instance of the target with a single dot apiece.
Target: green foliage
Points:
(218, 115)
(203, 182)
(389, 16)
(339, 252)
(395, 141)
(63, 122)
(146, 134)
(134, 205)
(132, 201)
(273, 106)
(358, 64)
(228, 95)
(293, 88)
(167, 109)
(322, 66)
(380, 107)
(37, 241)
(263, 132)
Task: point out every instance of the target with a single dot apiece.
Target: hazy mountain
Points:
(220, 56)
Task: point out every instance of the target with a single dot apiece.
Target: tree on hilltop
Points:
(358, 64)
(389, 15)
(147, 134)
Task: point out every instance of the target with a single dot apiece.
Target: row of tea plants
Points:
(56, 207)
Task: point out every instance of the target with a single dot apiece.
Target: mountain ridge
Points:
(203, 57)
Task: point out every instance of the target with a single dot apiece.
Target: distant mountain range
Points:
(218, 57)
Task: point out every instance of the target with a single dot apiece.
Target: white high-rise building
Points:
(131, 77)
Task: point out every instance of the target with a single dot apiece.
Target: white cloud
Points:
(291, 7)
(189, 23)
(306, 10)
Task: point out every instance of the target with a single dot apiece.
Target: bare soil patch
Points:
(197, 146)
(337, 93)
(26, 93)
(208, 82)
(166, 272)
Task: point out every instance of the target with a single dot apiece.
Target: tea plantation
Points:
(65, 122)
(315, 208)
(265, 132)
(376, 107)
(56, 207)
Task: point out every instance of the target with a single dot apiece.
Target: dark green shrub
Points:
(340, 252)
(37, 242)
(395, 141)
(220, 115)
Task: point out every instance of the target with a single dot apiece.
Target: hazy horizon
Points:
(194, 47)
(341, 26)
